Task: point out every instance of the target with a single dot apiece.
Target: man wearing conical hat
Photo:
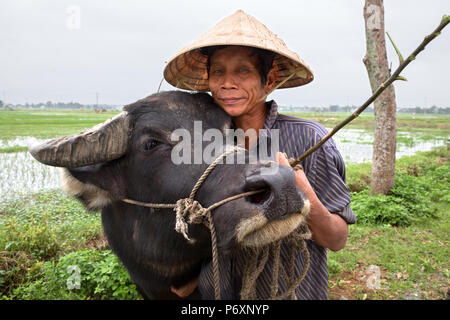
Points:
(240, 62)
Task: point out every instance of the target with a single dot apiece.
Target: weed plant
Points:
(84, 274)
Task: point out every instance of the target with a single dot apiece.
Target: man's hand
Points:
(328, 230)
(185, 290)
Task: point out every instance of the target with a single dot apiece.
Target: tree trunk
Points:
(383, 160)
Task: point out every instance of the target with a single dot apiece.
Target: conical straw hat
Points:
(187, 69)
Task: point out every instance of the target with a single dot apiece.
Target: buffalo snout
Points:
(278, 209)
(280, 197)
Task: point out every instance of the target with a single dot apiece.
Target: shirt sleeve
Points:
(325, 170)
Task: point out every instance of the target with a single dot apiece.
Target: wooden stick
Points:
(395, 76)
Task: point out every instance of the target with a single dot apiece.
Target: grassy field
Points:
(47, 123)
(53, 123)
(413, 262)
(403, 235)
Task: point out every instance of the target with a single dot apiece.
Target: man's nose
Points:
(229, 82)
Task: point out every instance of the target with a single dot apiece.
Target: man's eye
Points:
(150, 144)
(216, 72)
(243, 70)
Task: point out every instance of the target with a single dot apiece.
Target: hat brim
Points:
(188, 69)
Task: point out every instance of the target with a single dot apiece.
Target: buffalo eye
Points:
(150, 144)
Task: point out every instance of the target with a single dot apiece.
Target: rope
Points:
(190, 209)
(215, 257)
(296, 243)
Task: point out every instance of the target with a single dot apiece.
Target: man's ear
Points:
(271, 81)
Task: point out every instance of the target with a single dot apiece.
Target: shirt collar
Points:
(271, 116)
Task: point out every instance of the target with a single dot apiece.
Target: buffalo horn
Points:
(103, 142)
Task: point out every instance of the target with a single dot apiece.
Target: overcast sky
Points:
(118, 49)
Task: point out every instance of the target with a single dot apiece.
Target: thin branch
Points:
(395, 76)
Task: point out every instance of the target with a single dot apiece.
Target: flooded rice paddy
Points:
(356, 145)
(21, 174)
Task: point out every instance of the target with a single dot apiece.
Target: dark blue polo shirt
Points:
(325, 171)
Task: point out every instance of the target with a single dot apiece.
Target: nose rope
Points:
(188, 207)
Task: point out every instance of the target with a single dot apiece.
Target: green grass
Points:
(407, 141)
(358, 175)
(412, 260)
(39, 228)
(13, 149)
(48, 123)
(46, 234)
(47, 224)
(52, 123)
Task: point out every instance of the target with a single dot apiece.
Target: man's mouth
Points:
(230, 101)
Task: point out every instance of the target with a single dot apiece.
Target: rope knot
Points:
(191, 210)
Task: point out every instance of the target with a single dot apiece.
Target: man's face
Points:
(235, 82)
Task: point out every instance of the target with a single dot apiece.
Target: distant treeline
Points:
(337, 108)
(331, 108)
(60, 105)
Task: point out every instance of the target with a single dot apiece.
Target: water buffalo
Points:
(129, 156)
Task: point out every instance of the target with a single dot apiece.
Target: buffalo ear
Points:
(96, 186)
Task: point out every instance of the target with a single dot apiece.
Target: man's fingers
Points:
(282, 159)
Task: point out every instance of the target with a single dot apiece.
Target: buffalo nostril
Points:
(254, 183)
(259, 198)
